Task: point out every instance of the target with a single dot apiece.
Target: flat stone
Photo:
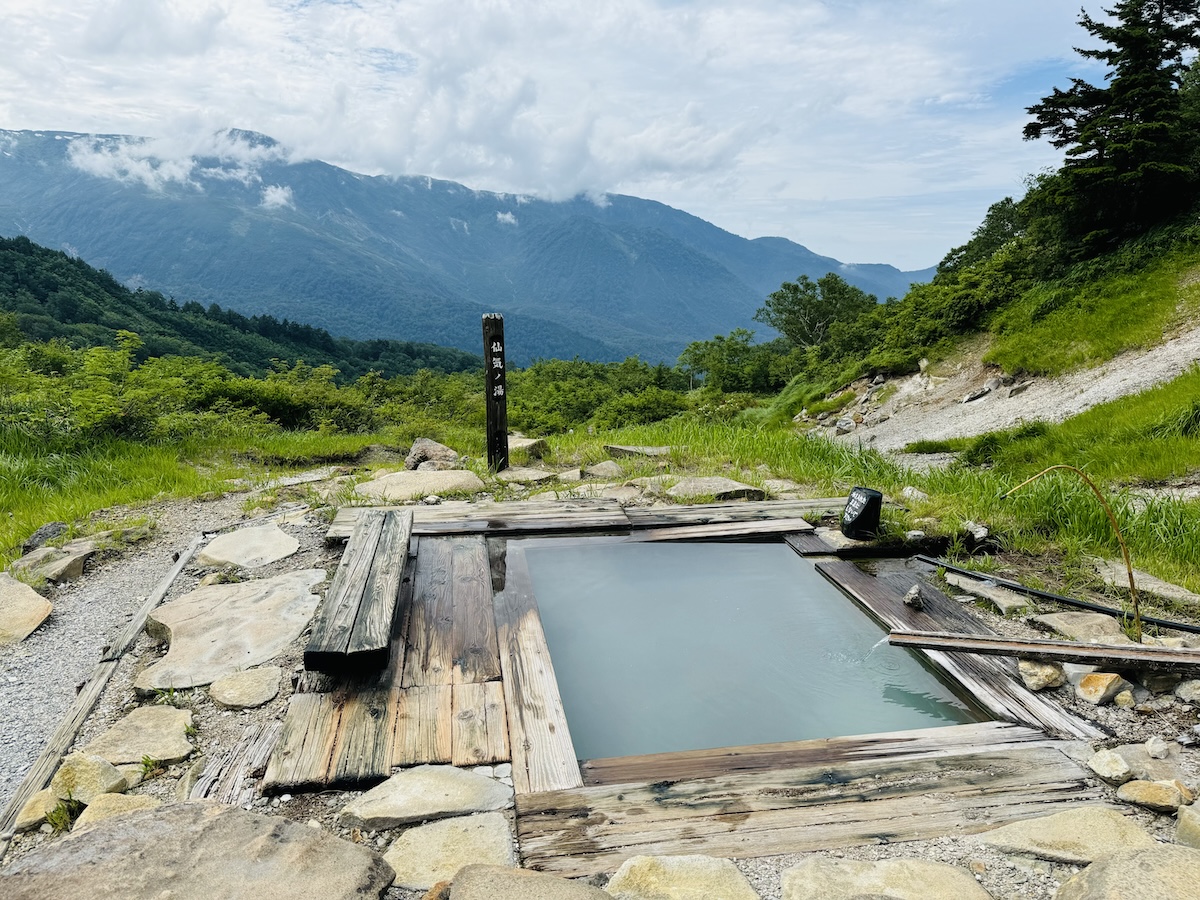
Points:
(716, 487)
(1037, 675)
(1160, 796)
(1075, 836)
(1160, 682)
(247, 689)
(133, 773)
(501, 883)
(187, 783)
(55, 563)
(1147, 768)
(849, 879)
(22, 610)
(84, 777)
(422, 793)
(620, 450)
(1164, 872)
(249, 548)
(425, 450)
(35, 810)
(679, 878)
(1100, 687)
(571, 476)
(159, 732)
(605, 469)
(108, 805)
(224, 628)
(198, 850)
(1114, 573)
(427, 854)
(913, 495)
(408, 485)
(1110, 766)
(1187, 827)
(625, 493)
(1188, 691)
(524, 475)
(533, 448)
(1007, 602)
(1095, 628)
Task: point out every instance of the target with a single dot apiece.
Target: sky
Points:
(867, 130)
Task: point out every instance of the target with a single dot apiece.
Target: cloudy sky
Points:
(868, 130)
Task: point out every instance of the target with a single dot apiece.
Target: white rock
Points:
(159, 732)
(22, 610)
(427, 854)
(247, 689)
(679, 878)
(249, 548)
(422, 793)
(1110, 766)
(84, 777)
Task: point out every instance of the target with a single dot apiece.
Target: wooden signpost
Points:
(495, 390)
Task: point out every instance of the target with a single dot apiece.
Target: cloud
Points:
(276, 196)
(506, 218)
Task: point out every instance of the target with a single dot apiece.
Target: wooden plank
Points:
(363, 750)
(429, 656)
(304, 753)
(991, 682)
(717, 513)
(891, 746)
(475, 651)
(232, 777)
(422, 729)
(1124, 656)
(334, 621)
(809, 544)
(721, 531)
(543, 756)
(369, 646)
(594, 829)
(480, 727)
(531, 516)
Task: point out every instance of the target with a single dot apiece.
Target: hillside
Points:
(371, 257)
(49, 295)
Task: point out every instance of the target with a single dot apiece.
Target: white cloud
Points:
(277, 196)
(506, 218)
(750, 113)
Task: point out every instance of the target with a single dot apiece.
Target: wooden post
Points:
(495, 391)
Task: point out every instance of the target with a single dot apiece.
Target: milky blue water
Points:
(663, 647)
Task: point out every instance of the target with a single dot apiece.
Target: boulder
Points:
(679, 878)
(55, 563)
(249, 548)
(502, 883)
(1164, 872)
(159, 732)
(604, 469)
(1037, 675)
(1110, 766)
(35, 810)
(246, 689)
(425, 450)
(427, 854)
(422, 793)
(224, 628)
(47, 532)
(1159, 796)
(1100, 687)
(849, 879)
(1146, 768)
(108, 805)
(533, 448)
(1074, 836)
(716, 487)
(84, 777)
(1188, 691)
(408, 485)
(197, 851)
(22, 610)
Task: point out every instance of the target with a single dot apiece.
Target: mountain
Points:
(240, 224)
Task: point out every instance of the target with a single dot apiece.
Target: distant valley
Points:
(411, 258)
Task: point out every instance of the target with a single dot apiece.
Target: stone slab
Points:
(259, 545)
(224, 628)
(409, 485)
(246, 689)
(715, 486)
(35, 810)
(1007, 602)
(1080, 626)
(56, 563)
(1187, 827)
(500, 883)
(524, 475)
(427, 854)
(848, 879)
(1114, 573)
(534, 448)
(422, 793)
(85, 776)
(624, 450)
(605, 469)
(198, 851)
(159, 732)
(1075, 836)
(1162, 872)
(22, 610)
(679, 878)
(108, 805)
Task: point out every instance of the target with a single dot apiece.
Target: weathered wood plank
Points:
(474, 648)
(891, 746)
(370, 639)
(1121, 656)
(717, 513)
(335, 617)
(423, 725)
(589, 830)
(721, 530)
(991, 681)
(363, 750)
(543, 756)
(480, 729)
(304, 754)
(429, 657)
(532, 516)
(232, 777)
(809, 544)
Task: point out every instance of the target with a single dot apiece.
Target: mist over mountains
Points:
(238, 223)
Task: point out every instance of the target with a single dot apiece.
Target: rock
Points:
(1188, 691)
(605, 469)
(914, 535)
(1159, 682)
(851, 879)
(1092, 627)
(501, 883)
(994, 383)
(912, 597)
(35, 810)
(54, 563)
(1075, 672)
(1187, 828)
(22, 610)
(224, 628)
(427, 854)
(1017, 389)
(425, 792)
(1124, 700)
(249, 548)
(571, 476)
(679, 878)
(524, 475)
(1037, 675)
(133, 774)
(976, 394)
(913, 495)
(408, 485)
(1114, 573)
(186, 784)
(108, 805)
(1100, 687)
(1164, 872)
(1110, 766)
(716, 487)
(1007, 602)
(620, 450)
(198, 850)
(533, 448)
(1075, 836)
(1157, 748)
(247, 689)
(47, 532)
(1160, 796)
(159, 732)
(84, 777)
(845, 425)
(425, 450)
(977, 531)
(1149, 769)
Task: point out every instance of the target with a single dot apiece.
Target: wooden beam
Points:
(741, 511)
(722, 531)
(480, 727)
(1120, 656)
(496, 519)
(369, 646)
